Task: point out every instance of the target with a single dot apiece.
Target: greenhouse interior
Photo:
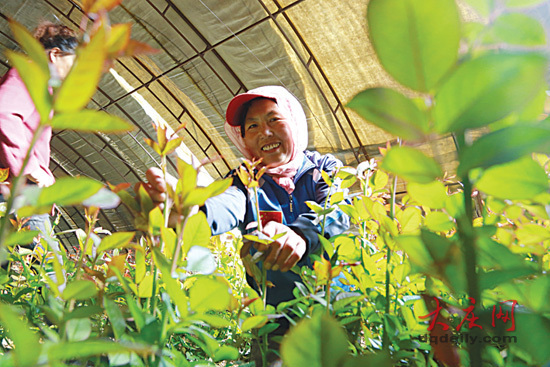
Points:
(427, 246)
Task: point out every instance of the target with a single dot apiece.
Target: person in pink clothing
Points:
(18, 116)
(19, 120)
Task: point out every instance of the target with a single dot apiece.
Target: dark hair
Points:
(52, 35)
(244, 110)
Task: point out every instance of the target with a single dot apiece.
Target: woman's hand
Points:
(283, 253)
(41, 178)
(156, 185)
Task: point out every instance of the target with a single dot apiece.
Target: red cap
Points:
(234, 109)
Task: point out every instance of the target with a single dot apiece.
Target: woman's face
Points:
(62, 61)
(267, 134)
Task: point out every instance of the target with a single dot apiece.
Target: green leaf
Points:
(65, 191)
(346, 299)
(471, 31)
(226, 353)
(196, 232)
(327, 178)
(79, 290)
(327, 245)
(411, 165)
(21, 238)
(200, 260)
(379, 180)
(136, 311)
(118, 324)
(22, 337)
(421, 253)
(314, 206)
(531, 293)
(187, 178)
(534, 108)
(348, 176)
(518, 180)
(36, 81)
(174, 289)
(104, 199)
(415, 41)
(268, 329)
(253, 322)
(391, 111)
(80, 84)
(89, 348)
(84, 312)
(491, 279)
(438, 222)
(171, 145)
(522, 3)
(200, 194)
(116, 240)
(505, 145)
(213, 320)
(78, 329)
(495, 255)
(90, 121)
(209, 294)
(128, 200)
(346, 248)
(327, 343)
(140, 264)
(410, 220)
(518, 29)
(486, 89)
(169, 239)
(145, 287)
(432, 194)
(336, 198)
(531, 233)
(377, 359)
(31, 46)
(483, 7)
(454, 205)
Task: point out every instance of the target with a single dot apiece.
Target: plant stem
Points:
(327, 293)
(468, 239)
(16, 185)
(166, 215)
(264, 350)
(154, 270)
(179, 230)
(264, 344)
(386, 338)
(85, 246)
(257, 205)
(364, 238)
(166, 211)
(325, 208)
(260, 228)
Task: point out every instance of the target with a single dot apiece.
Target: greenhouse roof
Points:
(212, 50)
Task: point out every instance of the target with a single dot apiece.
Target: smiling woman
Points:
(266, 132)
(268, 123)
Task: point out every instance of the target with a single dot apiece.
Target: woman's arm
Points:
(307, 224)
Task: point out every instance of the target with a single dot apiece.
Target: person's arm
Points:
(18, 120)
(306, 225)
(223, 212)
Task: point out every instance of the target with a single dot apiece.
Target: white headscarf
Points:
(292, 109)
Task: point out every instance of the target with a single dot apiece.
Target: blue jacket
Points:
(234, 209)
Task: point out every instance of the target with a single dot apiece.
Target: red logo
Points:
(271, 216)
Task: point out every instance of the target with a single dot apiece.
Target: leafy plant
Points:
(451, 254)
